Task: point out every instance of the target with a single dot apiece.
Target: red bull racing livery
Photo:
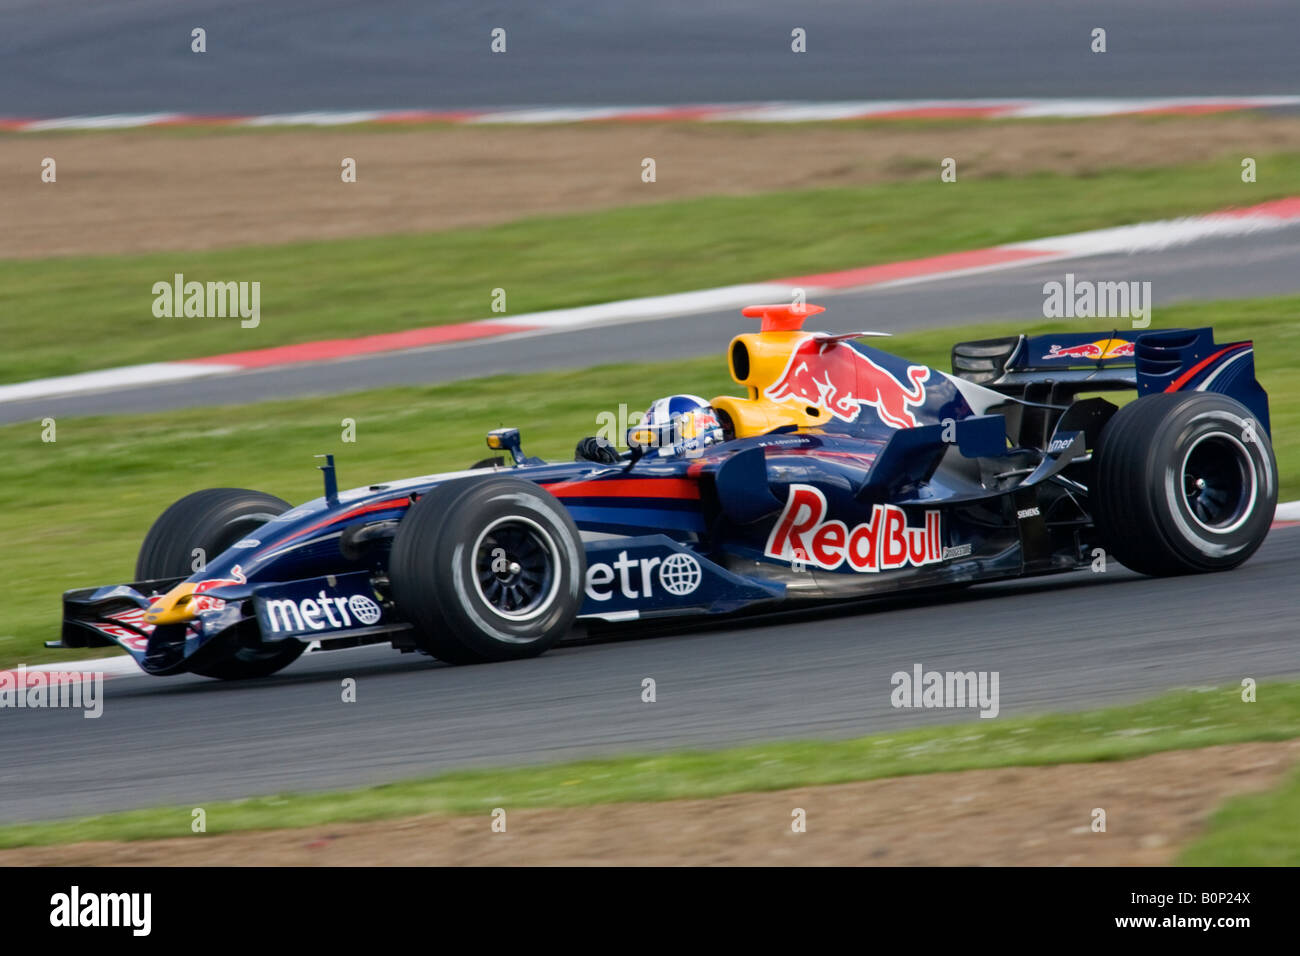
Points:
(841, 472)
(881, 543)
(842, 380)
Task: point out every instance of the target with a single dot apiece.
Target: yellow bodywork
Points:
(768, 354)
(173, 607)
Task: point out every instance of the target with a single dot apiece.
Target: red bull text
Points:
(883, 543)
(840, 379)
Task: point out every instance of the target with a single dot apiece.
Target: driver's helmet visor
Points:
(682, 427)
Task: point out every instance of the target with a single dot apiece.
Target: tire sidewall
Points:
(1187, 425)
(466, 529)
(210, 520)
(433, 570)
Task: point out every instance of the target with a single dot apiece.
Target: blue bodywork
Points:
(838, 511)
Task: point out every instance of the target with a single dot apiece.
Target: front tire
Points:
(210, 521)
(487, 569)
(1185, 482)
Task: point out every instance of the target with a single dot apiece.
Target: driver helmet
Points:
(676, 425)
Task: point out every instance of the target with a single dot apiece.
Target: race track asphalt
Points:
(69, 57)
(1067, 642)
(1249, 266)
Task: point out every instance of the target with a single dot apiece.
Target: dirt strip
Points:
(149, 190)
(1036, 816)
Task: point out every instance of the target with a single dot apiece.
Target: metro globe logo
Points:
(321, 613)
(679, 574)
(363, 609)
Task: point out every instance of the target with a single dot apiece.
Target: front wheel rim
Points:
(516, 568)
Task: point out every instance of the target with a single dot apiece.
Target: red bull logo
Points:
(885, 542)
(129, 637)
(1092, 351)
(840, 379)
(200, 604)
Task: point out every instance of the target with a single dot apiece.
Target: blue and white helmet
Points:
(677, 425)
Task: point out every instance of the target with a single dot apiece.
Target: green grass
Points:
(66, 315)
(1174, 721)
(94, 492)
(1257, 830)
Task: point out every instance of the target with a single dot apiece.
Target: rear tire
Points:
(1184, 482)
(487, 569)
(211, 521)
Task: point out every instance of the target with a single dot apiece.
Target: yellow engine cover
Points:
(757, 360)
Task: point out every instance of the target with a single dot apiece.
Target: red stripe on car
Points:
(626, 488)
(364, 509)
(1187, 376)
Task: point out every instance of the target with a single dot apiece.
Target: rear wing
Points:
(1053, 368)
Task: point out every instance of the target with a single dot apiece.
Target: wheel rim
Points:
(515, 562)
(1218, 482)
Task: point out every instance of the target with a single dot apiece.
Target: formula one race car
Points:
(844, 471)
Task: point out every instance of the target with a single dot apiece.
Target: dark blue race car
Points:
(843, 471)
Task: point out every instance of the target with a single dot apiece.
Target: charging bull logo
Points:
(883, 543)
(1100, 350)
(841, 380)
(211, 603)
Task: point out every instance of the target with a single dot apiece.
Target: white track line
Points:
(122, 666)
(1150, 236)
(649, 307)
(1287, 511)
(154, 374)
(778, 112)
(1153, 236)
